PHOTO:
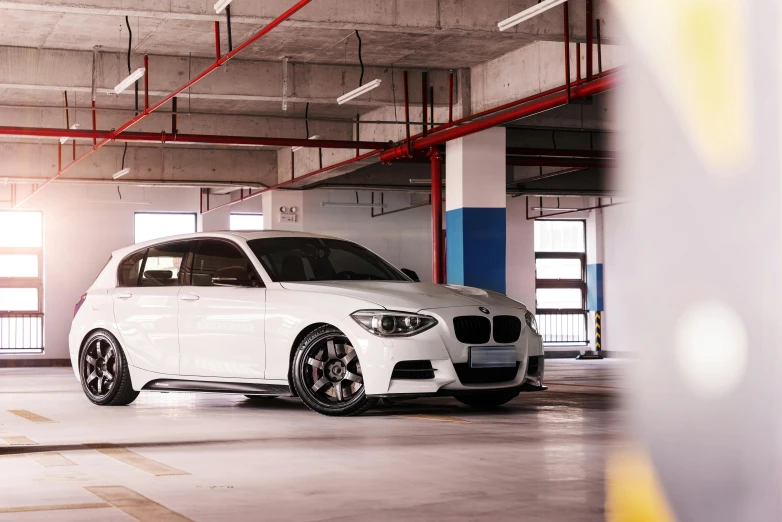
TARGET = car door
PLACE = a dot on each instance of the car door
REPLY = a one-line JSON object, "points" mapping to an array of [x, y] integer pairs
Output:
{"points": [[221, 314], [146, 305]]}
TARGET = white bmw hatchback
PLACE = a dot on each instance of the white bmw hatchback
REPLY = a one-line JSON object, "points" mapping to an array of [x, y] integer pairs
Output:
{"points": [[293, 314]]}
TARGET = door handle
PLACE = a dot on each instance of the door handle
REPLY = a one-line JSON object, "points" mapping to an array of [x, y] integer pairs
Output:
{"points": [[123, 295], [189, 297]]}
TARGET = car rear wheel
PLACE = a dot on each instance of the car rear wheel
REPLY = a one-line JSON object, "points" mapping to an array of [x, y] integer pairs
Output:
{"points": [[104, 373], [327, 374], [488, 400]]}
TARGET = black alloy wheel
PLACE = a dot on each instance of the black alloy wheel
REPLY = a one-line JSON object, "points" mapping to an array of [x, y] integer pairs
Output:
{"points": [[327, 374], [104, 371]]}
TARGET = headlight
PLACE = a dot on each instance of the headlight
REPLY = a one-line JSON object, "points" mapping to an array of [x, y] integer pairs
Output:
{"points": [[393, 324], [531, 321]]}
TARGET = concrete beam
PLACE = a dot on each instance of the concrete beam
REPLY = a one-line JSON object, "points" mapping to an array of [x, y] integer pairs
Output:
{"points": [[166, 163]]}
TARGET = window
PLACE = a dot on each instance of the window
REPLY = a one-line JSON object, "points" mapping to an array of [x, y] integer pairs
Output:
{"points": [[221, 263], [21, 282], [160, 265], [314, 259], [246, 222], [155, 225], [560, 280], [130, 268]]}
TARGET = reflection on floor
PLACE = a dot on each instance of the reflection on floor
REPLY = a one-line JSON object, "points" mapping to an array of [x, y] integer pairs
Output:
{"points": [[182, 456]]}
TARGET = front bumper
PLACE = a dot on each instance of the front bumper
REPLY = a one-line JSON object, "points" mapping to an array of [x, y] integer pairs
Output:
{"points": [[438, 345]]}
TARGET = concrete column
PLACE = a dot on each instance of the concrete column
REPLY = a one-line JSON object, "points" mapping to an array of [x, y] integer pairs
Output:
{"points": [[292, 218], [475, 210], [594, 273]]}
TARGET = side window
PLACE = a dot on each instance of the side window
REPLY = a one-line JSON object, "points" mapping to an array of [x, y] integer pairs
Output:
{"points": [[130, 268], [165, 264], [220, 263]]}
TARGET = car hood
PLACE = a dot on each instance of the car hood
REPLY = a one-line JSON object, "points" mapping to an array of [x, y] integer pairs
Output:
{"points": [[395, 295]]}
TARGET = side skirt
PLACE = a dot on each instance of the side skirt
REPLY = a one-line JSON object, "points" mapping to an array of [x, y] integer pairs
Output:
{"points": [[218, 387]]}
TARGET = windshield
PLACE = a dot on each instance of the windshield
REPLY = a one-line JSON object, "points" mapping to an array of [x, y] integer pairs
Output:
{"points": [[296, 259]]}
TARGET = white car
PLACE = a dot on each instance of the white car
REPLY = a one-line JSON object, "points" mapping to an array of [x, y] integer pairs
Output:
{"points": [[293, 314]]}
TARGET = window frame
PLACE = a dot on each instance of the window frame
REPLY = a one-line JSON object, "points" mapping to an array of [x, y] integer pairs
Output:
{"points": [[26, 282], [186, 262], [564, 283]]}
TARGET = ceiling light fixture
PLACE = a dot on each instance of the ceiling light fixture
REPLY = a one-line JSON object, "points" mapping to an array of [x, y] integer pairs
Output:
{"points": [[358, 92], [121, 173], [130, 80], [221, 5], [65, 139], [315, 137], [532, 12], [555, 209]]}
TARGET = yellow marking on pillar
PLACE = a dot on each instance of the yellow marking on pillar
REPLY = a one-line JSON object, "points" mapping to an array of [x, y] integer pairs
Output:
{"points": [[135, 460], [54, 507], [32, 417], [136, 505], [633, 491]]}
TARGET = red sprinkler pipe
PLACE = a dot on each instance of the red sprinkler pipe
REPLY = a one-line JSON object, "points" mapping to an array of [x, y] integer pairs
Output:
{"points": [[217, 40], [590, 39], [535, 106], [437, 216], [147, 111]]}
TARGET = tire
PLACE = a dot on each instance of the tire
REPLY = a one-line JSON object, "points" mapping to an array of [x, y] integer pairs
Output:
{"points": [[488, 400], [103, 371], [327, 374]]}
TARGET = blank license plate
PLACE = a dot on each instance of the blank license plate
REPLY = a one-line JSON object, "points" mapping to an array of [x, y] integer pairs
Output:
{"points": [[492, 356]]}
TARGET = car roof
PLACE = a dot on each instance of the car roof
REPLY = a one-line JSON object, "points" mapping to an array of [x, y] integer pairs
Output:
{"points": [[246, 235]]}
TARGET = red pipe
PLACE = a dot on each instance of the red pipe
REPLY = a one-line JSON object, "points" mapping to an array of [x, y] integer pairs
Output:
{"points": [[300, 178], [437, 216], [59, 157], [567, 50], [598, 86], [147, 111], [94, 122], [450, 98]]}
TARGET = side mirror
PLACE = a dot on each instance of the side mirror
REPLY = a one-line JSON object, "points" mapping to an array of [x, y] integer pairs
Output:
{"points": [[412, 275]]}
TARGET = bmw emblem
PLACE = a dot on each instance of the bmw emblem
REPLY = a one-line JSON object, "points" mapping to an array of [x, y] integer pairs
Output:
{"points": [[484, 310]]}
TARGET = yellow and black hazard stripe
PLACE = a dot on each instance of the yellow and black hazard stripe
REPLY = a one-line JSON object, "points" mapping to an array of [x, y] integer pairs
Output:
{"points": [[597, 330]]}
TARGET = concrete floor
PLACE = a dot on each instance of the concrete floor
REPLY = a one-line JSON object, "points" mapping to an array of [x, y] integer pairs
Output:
{"points": [[207, 457]]}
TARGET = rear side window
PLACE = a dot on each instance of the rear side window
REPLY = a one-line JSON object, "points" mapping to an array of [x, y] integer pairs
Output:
{"points": [[130, 268], [164, 265], [219, 263]]}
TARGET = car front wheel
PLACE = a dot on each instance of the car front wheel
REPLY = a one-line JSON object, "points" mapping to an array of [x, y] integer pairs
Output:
{"points": [[104, 372], [327, 374]]}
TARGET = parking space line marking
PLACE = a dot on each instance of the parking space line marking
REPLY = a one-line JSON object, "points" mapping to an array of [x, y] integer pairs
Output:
{"points": [[32, 417], [17, 440], [137, 461], [135, 505], [440, 418], [54, 507], [51, 459]]}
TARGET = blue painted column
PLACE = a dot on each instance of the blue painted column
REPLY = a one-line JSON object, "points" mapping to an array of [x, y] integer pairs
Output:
{"points": [[475, 210]]}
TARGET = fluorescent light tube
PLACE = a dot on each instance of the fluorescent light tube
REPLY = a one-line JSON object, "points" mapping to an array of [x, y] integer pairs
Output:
{"points": [[358, 92], [64, 139], [554, 209], [532, 12], [315, 137], [221, 5], [121, 173], [130, 80], [354, 205]]}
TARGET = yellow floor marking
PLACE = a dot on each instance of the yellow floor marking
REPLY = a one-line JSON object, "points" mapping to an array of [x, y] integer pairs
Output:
{"points": [[441, 418], [137, 461], [54, 507], [13, 440], [51, 459], [32, 417], [137, 506], [583, 385]]}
